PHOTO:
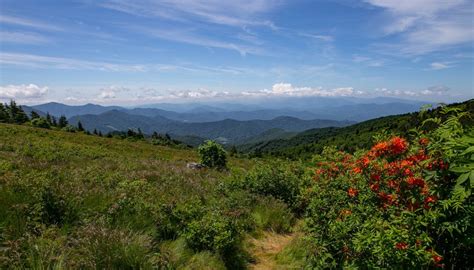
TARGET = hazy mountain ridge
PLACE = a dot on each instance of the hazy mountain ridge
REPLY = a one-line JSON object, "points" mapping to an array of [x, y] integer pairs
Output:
{"points": [[355, 109], [226, 131]]}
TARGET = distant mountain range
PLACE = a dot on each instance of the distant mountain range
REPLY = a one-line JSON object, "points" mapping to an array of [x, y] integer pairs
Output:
{"points": [[224, 131], [232, 123]]}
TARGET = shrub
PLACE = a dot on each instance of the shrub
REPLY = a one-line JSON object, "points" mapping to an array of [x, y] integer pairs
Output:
{"points": [[213, 155], [400, 204], [277, 179], [40, 122], [214, 232]]}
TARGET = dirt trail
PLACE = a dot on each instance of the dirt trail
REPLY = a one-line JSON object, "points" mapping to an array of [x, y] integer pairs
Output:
{"points": [[267, 247]]}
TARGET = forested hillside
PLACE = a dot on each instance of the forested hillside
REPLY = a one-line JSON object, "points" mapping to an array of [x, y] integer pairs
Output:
{"points": [[350, 138]]}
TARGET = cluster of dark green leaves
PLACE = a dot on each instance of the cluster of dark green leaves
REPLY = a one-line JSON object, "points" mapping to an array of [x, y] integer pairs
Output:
{"points": [[213, 155]]}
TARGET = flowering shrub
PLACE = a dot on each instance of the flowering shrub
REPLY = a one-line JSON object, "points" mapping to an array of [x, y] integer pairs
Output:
{"points": [[401, 204]]}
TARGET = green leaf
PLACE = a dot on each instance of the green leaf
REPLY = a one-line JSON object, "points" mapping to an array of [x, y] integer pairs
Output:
{"points": [[468, 150], [462, 178]]}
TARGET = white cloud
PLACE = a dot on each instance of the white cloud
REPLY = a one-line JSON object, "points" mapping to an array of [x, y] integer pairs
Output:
{"points": [[430, 91], [426, 26], [436, 90], [112, 91], [29, 23], [22, 91], [24, 38], [189, 37], [367, 61], [38, 61], [236, 13], [286, 89], [326, 38], [439, 65]]}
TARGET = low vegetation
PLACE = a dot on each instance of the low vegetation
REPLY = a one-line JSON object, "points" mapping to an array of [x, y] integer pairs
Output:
{"points": [[74, 201]]}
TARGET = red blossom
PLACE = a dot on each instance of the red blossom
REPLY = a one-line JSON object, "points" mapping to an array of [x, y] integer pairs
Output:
{"points": [[416, 182], [398, 145], [401, 245], [375, 177], [424, 141], [352, 192], [437, 258], [375, 187]]}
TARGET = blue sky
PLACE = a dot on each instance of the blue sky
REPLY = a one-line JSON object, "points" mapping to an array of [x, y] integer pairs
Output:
{"points": [[146, 51]]}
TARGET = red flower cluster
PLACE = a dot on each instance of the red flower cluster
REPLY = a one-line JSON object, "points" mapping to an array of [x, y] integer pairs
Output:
{"points": [[395, 146], [393, 174], [401, 245], [352, 192]]}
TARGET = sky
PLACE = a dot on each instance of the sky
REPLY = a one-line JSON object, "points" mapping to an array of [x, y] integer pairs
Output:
{"points": [[150, 51]]}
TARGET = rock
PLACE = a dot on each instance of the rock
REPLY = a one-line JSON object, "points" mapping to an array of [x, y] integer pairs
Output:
{"points": [[195, 166]]}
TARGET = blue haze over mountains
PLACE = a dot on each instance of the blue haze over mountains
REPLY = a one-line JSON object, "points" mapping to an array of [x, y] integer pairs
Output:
{"points": [[231, 123]]}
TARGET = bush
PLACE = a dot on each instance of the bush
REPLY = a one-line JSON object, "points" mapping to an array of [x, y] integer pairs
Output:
{"points": [[40, 122], [213, 155], [280, 180], [214, 232], [402, 204]]}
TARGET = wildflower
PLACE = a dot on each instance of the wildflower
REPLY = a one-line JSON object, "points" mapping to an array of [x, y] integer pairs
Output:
{"points": [[352, 192], [424, 141], [418, 182], [437, 258], [375, 177], [379, 149], [398, 145], [430, 200], [374, 187], [407, 172], [357, 170], [401, 245], [365, 162]]}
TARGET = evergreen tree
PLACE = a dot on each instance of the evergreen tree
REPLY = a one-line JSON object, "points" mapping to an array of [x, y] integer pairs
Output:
{"points": [[79, 126], [131, 133], [54, 123], [34, 115], [95, 132], [62, 122], [16, 113], [3, 113], [100, 133], [48, 118]]}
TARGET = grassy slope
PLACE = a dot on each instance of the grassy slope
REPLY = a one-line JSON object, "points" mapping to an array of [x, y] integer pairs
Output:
{"points": [[90, 177]]}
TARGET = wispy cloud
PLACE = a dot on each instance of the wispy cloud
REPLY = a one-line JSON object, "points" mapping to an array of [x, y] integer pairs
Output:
{"points": [[38, 61], [368, 61], [438, 90], [428, 25], [189, 37], [237, 13], [440, 65], [23, 37], [4, 19], [326, 38]]}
